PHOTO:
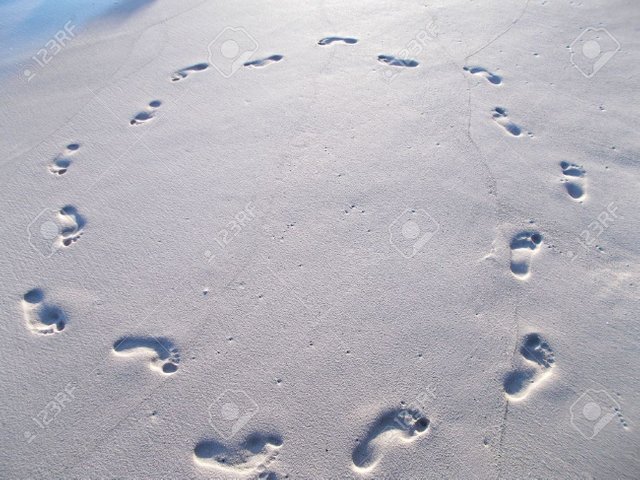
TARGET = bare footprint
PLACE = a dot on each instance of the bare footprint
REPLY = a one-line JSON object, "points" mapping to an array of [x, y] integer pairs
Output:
{"points": [[397, 62], [252, 457], [573, 179], [491, 77], [185, 72], [164, 355], [392, 427], [330, 40], [263, 62], [60, 164], [535, 365], [147, 114], [523, 246], [41, 317], [502, 119]]}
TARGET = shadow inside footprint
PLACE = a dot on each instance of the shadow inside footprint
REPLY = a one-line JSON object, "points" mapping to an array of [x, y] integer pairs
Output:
{"points": [[518, 381], [523, 245], [263, 62], [397, 62], [491, 77], [42, 317], [166, 356], [253, 454], [501, 117], [537, 350], [330, 40], [185, 72], [397, 425]]}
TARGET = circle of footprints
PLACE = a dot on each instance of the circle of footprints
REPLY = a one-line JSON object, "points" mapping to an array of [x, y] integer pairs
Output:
{"points": [[535, 365]]}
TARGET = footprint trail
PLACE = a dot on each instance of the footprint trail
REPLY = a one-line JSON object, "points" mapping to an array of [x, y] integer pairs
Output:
{"points": [[392, 427], [164, 355], [523, 246], [41, 317]]}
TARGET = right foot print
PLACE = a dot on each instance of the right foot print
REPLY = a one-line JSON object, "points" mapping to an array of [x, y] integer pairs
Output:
{"points": [[397, 62], [537, 364], [502, 119], [491, 77], [263, 62], [185, 72], [330, 40], [146, 115], [41, 317], [523, 247], [395, 426], [573, 179], [164, 356], [60, 164], [252, 457]]}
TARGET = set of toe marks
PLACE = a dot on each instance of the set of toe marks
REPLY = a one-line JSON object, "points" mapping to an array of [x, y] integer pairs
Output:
{"points": [[501, 117], [399, 425], [536, 362], [253, 456], [147, 114], [523, 246], [61, 162], [162, 352], [42, 317], [573, 179], [484, 73]]}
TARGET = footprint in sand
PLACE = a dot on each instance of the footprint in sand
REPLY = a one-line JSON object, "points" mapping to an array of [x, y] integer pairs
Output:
{"points": [[573, 179], [395, 426], [147, 114], [251, 458], [397, 62], [41, 317], [535, 365], [523, 246], [60, 164], [330, 40], [502, 119], [164, 355], [263, 62], [483, 72], [185, 72]]}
